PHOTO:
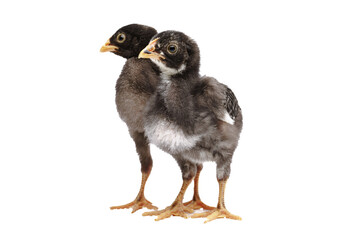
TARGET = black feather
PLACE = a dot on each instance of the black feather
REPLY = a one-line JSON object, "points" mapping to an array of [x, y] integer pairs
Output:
{"points": [[231, 104]]}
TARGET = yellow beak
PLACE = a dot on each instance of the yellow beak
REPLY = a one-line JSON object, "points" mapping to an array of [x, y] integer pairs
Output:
{"points": [[107, 47], [149, 51]]}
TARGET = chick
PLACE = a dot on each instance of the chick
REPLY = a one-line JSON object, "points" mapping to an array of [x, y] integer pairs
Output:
{"points": [[137, 82], [194, 118]]}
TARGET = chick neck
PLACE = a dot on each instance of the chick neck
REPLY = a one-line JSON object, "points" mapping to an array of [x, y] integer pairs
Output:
{"points": [[174, 91]]}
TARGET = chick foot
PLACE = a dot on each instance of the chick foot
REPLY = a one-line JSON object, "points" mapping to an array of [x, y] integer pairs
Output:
{"points": [[216, 213], [220, 211], [140, 200], [176, 209], [137, 204], [196, 204]]}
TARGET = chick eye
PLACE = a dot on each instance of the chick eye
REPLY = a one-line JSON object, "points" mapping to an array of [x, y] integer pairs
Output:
{"points": [[172, 49], [121, 38]]}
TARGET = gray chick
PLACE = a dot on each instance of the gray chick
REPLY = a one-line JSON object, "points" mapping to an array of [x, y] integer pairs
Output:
{"points": [[194, 118]]}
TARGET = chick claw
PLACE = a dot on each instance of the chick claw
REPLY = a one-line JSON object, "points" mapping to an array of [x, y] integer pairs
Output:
{"points": [[137, 204], [216, 213], [173, 210]]}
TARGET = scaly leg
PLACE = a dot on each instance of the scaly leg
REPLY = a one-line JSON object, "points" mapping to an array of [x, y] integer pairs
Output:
{"points": [[196, 202], [220, 211], [140, 200], [143, 150], [176, 208]]}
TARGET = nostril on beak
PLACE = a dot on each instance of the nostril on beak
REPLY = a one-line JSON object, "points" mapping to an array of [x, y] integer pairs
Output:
{"points": [[147, 52]]}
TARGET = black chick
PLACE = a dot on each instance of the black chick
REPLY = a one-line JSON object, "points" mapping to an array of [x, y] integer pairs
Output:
{"points": [[188, 117], [137, 82]]}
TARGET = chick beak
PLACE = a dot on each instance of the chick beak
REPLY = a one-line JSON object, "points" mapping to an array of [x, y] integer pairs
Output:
{"points": [[149, 51], [107, 47]]}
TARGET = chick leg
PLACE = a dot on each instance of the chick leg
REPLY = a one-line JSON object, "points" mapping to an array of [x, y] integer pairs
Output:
{"points": [[220, 211], [196, 202], [140, 200], [177, 208], [143, 149]]}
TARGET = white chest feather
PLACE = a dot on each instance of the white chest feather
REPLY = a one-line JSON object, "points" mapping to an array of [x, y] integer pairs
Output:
{"points": [[169, 136]]}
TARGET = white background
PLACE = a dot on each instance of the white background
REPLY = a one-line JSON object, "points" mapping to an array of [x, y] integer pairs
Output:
{"points": [[66, 157]]}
